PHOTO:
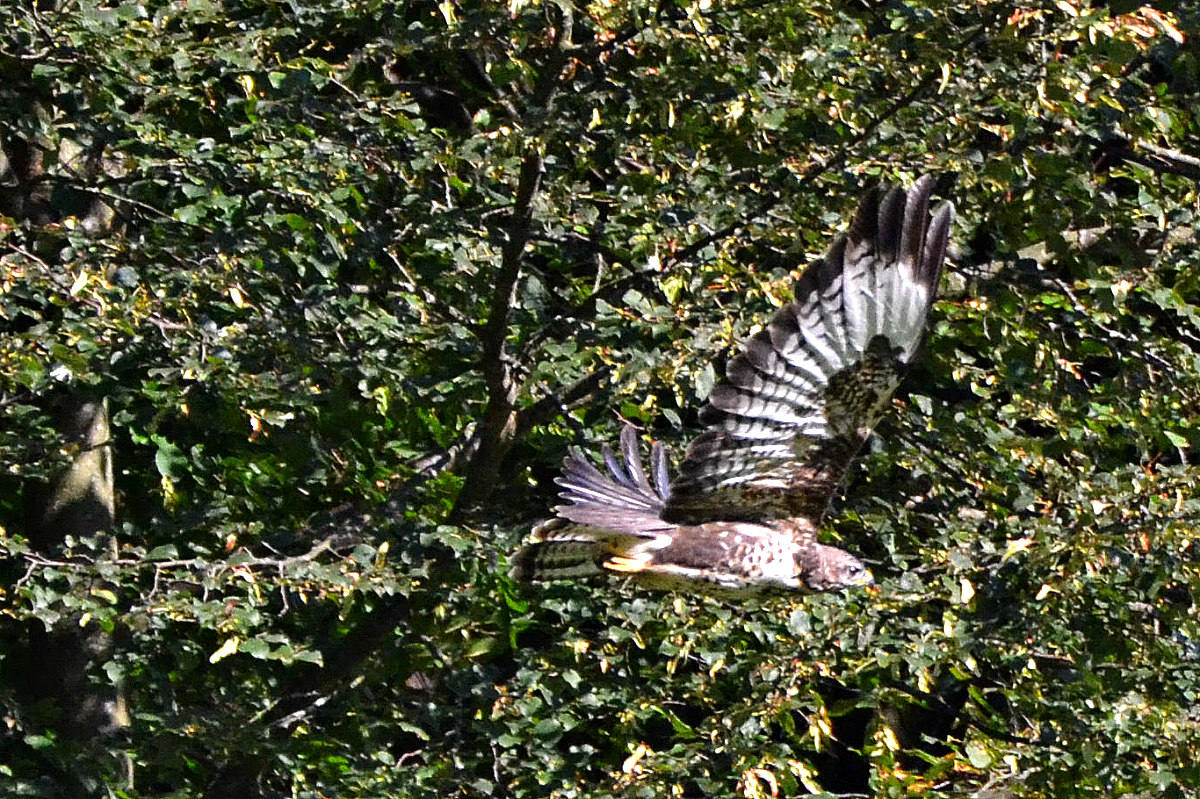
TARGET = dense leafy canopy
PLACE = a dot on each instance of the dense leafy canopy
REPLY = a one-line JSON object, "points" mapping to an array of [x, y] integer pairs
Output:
{"points": [[352, 275]]}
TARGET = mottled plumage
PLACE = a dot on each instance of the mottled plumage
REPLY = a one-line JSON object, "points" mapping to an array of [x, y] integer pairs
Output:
{"points": [[795, 406]]}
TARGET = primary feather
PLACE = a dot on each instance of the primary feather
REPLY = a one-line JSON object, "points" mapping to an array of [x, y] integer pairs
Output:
{"points": [[805, 393]]}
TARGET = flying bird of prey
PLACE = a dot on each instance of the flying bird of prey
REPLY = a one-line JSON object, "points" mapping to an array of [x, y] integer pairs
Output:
{"points": [[742, 514]]}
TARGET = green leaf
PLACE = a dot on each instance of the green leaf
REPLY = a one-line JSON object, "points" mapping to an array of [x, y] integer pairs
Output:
{"points": [[169, 459], [163, 552], [978, 755]]}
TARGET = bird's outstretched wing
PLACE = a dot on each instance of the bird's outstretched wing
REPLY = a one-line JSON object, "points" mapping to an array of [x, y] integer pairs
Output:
{"points": [[799, 401], [626, 498]]}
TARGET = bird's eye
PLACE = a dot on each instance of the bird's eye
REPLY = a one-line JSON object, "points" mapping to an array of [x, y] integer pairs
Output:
{"points": [[858, 574]]}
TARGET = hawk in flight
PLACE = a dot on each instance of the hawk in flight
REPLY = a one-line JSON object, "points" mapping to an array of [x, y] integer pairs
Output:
{"points": [[742, 514]]}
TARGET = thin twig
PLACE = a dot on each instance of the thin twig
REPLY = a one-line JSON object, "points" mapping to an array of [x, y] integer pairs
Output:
{"points": [[37, 560]]}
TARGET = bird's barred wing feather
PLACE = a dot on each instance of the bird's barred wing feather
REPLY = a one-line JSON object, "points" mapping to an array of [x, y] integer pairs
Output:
{"points": [[626, 498], [802, 397]]}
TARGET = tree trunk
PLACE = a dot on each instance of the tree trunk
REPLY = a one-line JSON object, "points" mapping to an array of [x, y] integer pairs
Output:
{"points": [[50, 666]]}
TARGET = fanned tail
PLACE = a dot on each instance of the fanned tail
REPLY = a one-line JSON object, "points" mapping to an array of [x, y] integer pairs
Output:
{"points": [[608, 517]]}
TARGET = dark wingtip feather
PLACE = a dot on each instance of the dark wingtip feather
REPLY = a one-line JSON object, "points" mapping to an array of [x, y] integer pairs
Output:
{"points": [[826, 269], [659, 470], [889, 226], [866, 217], [615, 467], [633, 459], [916, 217], [936, 239]]}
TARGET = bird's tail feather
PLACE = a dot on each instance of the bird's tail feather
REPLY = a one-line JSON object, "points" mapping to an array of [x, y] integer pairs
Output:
{"points": [[561, 550], [611, 519]]}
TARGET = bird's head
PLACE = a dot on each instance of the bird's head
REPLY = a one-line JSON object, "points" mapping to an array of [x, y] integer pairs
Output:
{"points": [[827, 568]]}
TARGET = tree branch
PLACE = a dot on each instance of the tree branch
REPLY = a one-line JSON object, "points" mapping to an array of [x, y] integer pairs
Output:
{"points": [[587, 307], [1115, 149], [556, 404], [494, 434]]}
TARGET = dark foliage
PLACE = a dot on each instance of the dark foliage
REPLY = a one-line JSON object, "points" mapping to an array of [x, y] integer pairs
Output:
{"points": [[353, 275]]}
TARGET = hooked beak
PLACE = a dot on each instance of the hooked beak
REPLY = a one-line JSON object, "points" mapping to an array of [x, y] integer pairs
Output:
{"points": [[863, 579]]}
